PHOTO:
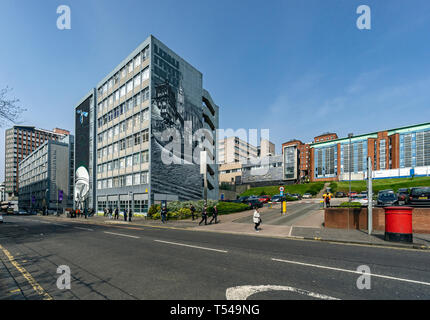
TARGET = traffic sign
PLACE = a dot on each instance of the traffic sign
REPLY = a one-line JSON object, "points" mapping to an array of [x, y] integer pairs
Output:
{"points": [[281, 189]]}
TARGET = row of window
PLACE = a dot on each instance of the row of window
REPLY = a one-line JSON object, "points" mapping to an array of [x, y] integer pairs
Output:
{"points": [[131, 141], [123, 126], [136, 179], [135, 101], [125, 162], [134, 63]]}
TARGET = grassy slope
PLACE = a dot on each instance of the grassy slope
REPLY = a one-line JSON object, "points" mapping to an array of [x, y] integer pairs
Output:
{"points": [[381, 184], [296, 188]]}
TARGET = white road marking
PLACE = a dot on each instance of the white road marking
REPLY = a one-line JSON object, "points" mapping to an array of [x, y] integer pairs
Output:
{"points": [[187, 245], [87, 229], [352, 271], [122, 235], [243, 292]]}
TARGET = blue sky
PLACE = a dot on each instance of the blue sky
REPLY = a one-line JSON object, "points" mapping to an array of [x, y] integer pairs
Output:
{"points": [[298, 68]]}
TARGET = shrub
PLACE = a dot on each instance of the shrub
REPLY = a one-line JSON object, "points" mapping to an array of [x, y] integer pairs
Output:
{"points": [[230, 207], [154, 209], [350, 205]]}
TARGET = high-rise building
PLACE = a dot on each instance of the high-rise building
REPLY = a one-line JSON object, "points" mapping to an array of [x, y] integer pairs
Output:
{"points": [[20, 142], [46, 176], [141, 132], [2, 192]]}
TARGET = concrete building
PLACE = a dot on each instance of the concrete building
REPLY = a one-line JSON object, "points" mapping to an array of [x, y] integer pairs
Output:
{"points": [[234, 149], [400, 152], [266, 149], [269, 172], [328, 136], [46, 176], [20, 141], [149, 118], [298, 166], [3, 193]]}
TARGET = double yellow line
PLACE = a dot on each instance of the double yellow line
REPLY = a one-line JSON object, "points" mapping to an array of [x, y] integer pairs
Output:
{"points": [[36, 287]]}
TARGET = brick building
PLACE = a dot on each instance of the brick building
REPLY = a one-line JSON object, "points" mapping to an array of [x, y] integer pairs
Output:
{"points": [[400, 152]]}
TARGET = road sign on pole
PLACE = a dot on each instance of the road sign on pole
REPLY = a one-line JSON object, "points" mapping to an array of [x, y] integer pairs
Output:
{"points": [[369, 196]]}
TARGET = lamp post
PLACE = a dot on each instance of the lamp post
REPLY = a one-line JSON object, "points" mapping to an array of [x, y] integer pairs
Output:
{"points": [[350, 135]]}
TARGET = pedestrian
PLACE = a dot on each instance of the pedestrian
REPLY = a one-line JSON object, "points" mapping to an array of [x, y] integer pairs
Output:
{"points": [[257, 220], [104, 212], [193, 210], [85, 213], [130, 214], [214, 215], [204, 216], [164, 214], [125, 215], [116, 213]]}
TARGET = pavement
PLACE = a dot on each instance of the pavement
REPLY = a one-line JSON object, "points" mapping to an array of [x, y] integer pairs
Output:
{"points": [[122, 261]]}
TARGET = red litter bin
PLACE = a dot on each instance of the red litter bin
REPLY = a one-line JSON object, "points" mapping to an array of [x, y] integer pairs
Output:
{"points": [[398, 224]]}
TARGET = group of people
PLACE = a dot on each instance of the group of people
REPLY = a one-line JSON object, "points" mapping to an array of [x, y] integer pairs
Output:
{"points": [[77, 213], [128, 213], [164, 212]]}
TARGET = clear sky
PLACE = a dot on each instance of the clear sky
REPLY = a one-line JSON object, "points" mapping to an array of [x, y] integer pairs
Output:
{"points": [[298, 68]]}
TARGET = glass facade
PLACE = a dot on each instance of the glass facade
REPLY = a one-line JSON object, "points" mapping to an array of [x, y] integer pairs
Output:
{"points": [[415, 149], [325, 162], [353, 159]]}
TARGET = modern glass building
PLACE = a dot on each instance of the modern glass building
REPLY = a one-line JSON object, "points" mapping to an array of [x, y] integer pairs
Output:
{"points": [[400, 152], [151, 119]]}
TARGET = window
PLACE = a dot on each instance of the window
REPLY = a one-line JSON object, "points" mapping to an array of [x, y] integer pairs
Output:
{"points": [[136, 159], [137, 139], [145, 74], [145, 135], [136, 80], [129, 180], [129, 86], [122, 163], [136, 179], [137, 61], [116, 95], [145, 156], [130, 67], [129, 162], [122, 145], [144, 115], [137, 100], [122, 91], [144, 178]]}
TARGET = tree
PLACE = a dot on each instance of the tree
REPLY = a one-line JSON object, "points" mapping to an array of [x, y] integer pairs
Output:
{"points": [[9, 108]]}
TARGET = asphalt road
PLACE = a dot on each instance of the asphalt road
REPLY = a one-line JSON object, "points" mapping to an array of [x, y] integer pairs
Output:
{"points": [[121, 262]]}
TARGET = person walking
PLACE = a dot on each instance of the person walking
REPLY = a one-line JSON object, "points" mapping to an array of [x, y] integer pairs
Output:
{"points": [[257, 219], [164, 214], [116, 217], [214, 215], [204, 216], [85, 213], [125, 215], [193, 211], [130, 214]]}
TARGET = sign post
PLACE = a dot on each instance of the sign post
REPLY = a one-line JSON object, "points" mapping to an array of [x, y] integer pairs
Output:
{"points": [[283, 203], [203, 171], [369, 196]]}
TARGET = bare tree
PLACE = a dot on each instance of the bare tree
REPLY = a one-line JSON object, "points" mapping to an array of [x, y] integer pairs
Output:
{"points": [[9, 108]]}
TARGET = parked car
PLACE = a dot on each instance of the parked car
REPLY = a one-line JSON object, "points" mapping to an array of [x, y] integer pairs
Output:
{"points": [[264, 199], [242, 199], [22, 212], [387, 198], [353, 193], [278, 198], [1, 218], [362, 198], [296, 196], [403, 196], [419, 196], [307, 196], [340, 194], [254, 203]]}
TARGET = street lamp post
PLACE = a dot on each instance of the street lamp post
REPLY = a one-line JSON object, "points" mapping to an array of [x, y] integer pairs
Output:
{"points": [[350, 135]]}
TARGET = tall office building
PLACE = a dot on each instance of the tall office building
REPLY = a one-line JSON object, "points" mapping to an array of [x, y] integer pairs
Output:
{"points": [[46, 176], [20, 142], [142, 130]]}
